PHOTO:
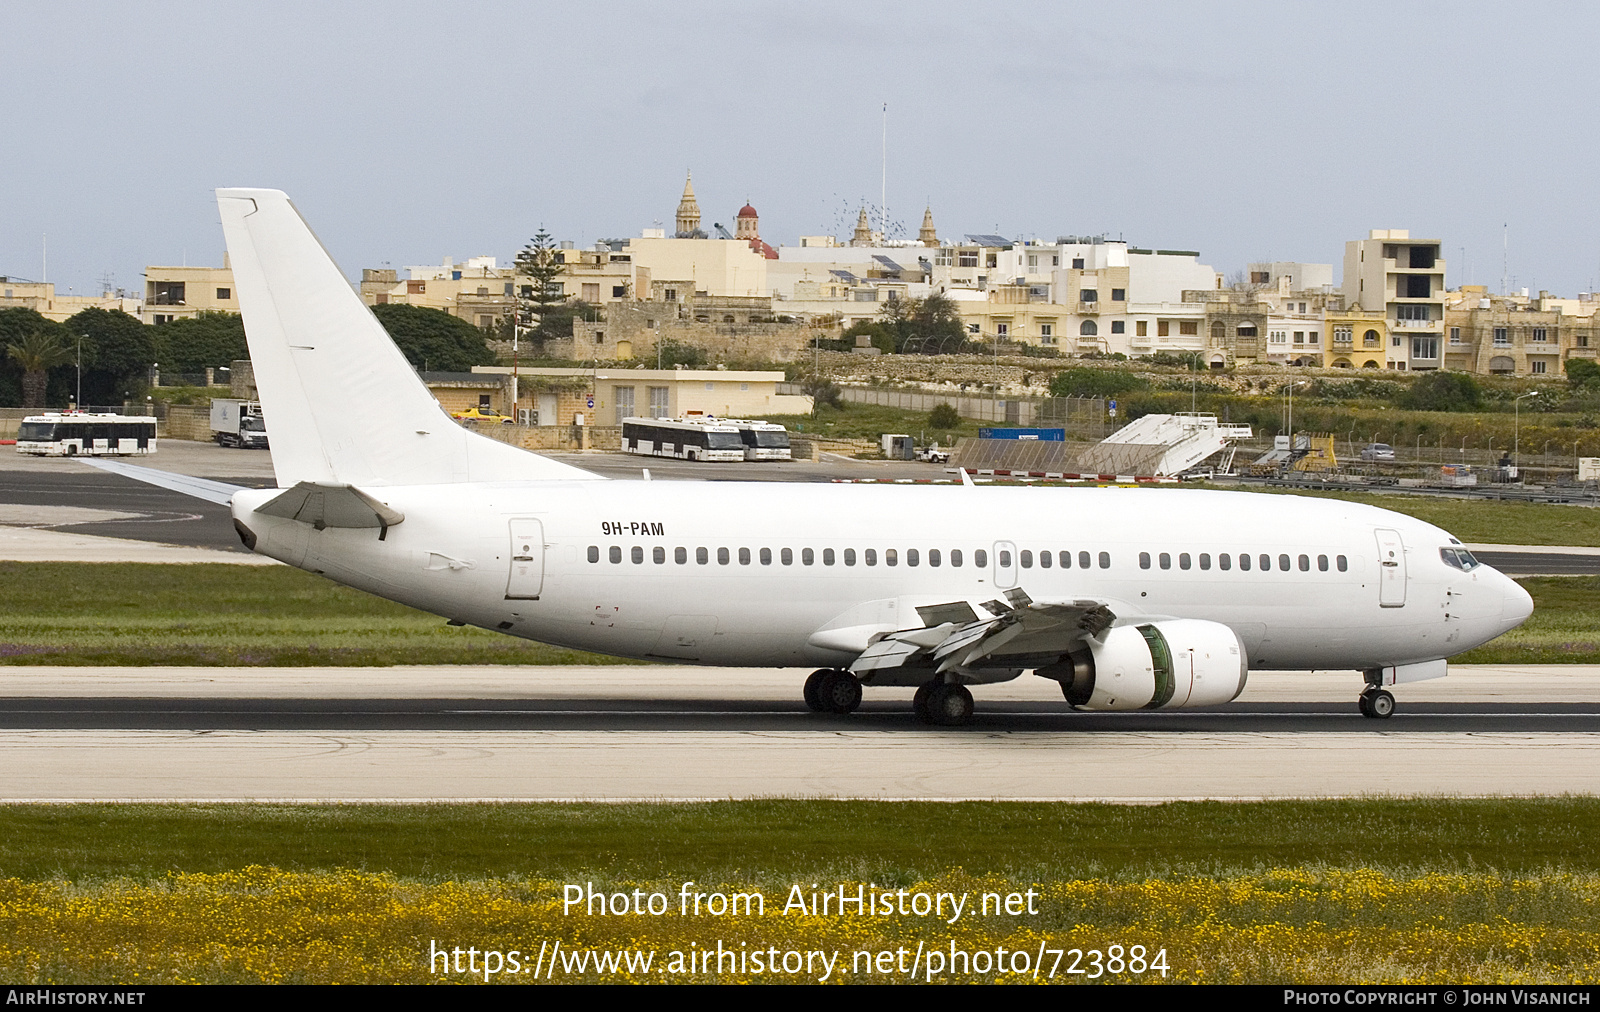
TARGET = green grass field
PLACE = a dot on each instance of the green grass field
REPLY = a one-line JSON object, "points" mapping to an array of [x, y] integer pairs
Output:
{"points": [[140, 613], [1358, 891]]}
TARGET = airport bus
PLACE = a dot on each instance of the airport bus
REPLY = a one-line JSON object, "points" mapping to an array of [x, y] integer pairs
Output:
{"points": [[763, 440], [698, 438], [70, 434]]}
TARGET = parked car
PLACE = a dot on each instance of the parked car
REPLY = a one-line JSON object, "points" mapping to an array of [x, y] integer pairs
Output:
{"points": [[481, 415], [1377, 451], [933, 454]]}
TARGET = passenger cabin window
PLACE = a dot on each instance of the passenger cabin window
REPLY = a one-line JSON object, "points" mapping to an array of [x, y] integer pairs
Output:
{"points": [[594, 553], [786, 557], [1183, 560], [722, 556], [808, 557], [849, 556], [1066, 560], [744, 556], [891, 557], [680, 556], [1244, 562], [870, 556], [980, 558], [1083, 560], [1166, 561], [1105, 560], [1305, 563], [1144, 560], [1322, 563], [827, 556], [616, 554], [1205, 561], [1342, 563], [1224, 561], [658, 555], [766, 556], [1026, 556], [933, 557], [1283, 563], [638, 555], [701, 556], [1266, 563], [1044, 560], [911, 557], [955, 557]]}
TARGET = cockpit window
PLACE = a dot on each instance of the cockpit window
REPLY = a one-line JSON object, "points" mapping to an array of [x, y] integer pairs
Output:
{"points": [[1459, 558]]}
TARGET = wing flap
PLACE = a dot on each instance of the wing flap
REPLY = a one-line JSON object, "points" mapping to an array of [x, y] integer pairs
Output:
{"points": [[1018, 626]]}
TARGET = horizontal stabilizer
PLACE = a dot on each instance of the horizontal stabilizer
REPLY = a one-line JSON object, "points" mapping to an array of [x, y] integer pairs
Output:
{"points": [[200, 488], [323, 505]]}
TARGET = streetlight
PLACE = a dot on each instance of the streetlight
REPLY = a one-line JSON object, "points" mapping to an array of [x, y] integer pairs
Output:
{"points": [[1516, 446]]}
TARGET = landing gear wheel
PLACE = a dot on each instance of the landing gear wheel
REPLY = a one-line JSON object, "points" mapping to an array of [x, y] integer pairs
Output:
{"points": [[839, 692], [1377, 703], [813, 689], [919, 702], [950, 705]]}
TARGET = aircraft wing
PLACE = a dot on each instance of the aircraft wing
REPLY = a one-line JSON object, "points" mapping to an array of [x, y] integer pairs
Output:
{"points": [[1018, 632], [200, 488]]}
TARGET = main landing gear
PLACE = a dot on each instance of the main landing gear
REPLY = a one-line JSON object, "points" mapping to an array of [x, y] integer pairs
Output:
{"points": [[1376, 702], [948, 704], [830, 690]]}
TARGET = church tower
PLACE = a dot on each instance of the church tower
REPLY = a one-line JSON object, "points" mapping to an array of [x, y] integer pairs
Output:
{"points": [[926, 235], [863, 234], [747, 224], [689, 213]]}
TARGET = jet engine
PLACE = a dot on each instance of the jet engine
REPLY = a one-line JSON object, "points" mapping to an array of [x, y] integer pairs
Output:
{"points": [[1154, 666]]}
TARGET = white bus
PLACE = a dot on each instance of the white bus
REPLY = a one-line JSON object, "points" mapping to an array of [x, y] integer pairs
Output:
{"points": [[763, 440], [73, 433], [700, 438]]}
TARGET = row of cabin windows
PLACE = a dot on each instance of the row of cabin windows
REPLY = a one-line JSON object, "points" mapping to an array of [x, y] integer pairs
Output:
{"points": [[869, 556], [1262, 561]]}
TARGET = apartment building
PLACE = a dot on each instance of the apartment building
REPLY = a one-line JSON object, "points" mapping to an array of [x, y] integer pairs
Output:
{"points": [[1404, 277], [175, 293]]}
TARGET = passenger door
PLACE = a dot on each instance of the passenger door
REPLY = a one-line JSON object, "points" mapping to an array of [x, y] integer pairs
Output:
{"points": [[527, 559], [1391, 569]]}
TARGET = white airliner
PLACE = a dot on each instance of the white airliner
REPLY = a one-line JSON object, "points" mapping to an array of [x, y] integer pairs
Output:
{"points": [[1130, 599]]}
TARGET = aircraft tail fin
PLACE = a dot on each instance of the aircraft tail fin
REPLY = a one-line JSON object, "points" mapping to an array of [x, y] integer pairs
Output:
{"points": [[341, 402]]}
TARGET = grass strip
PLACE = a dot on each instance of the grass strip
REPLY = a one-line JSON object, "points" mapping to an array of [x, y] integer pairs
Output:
{"points": [[264, 925], [876, 841], [1479, 521], [150, 614]]}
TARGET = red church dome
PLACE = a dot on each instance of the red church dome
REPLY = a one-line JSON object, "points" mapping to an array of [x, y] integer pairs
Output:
{"points": [[747, 212]]}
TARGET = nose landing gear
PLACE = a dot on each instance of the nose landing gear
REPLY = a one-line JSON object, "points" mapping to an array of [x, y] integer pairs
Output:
{"points": [[1375, 702]]}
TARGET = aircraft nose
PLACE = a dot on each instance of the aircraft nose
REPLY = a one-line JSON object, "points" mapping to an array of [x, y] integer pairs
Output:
{"points": [[1516, 604]]}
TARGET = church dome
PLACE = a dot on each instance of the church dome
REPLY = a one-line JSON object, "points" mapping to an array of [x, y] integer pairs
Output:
{"points": [[747, 212]]}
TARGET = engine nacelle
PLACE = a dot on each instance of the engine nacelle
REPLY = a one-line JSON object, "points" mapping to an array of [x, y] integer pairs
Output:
{"points": [[1155, 666]]}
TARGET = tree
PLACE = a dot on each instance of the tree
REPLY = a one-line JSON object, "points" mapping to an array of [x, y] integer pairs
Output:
{"points": [[542, 264], [117, 353], [1582, 372], [1443, 391], [1080, 381], [195, 344], [929, 325], [943, 416], [432, 339], [36, 354]]}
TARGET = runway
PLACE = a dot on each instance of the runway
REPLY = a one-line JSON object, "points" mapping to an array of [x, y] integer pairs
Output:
{"points": [[628, 733]]}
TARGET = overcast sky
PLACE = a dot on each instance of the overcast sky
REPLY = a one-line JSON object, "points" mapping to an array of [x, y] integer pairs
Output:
{"points": [[408, 132]]}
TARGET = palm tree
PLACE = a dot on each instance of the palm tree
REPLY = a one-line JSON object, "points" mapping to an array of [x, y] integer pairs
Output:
{"points": [[37, 354]]}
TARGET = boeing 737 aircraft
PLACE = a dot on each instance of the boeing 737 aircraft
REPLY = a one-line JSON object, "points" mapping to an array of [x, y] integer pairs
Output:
{"points": [[1129, 599]]}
